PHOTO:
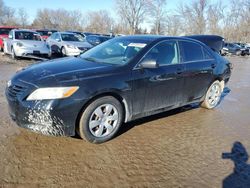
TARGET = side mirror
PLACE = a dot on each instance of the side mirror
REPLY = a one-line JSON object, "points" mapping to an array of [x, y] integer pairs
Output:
{"points": [[149, 64], [10, 37], [58, 40]]}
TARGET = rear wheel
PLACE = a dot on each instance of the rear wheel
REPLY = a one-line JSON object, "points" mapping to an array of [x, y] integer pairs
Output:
{"points": [[101, 120], [213, 95]]}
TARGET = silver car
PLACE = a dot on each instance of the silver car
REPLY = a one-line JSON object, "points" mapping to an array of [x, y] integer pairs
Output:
{"points": [[68, 44], [26, 43]]}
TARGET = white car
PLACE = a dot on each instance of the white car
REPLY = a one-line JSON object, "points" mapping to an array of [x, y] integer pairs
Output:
{"points": [[26, 43], [68, 44]]}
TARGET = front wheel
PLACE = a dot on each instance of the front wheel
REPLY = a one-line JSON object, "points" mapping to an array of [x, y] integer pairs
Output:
{"points": [[101, 120], [213, 95], [13, 54], [63, 52]]}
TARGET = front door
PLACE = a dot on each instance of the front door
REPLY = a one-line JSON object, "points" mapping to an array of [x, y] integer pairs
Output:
{"points": [[156, 88]]}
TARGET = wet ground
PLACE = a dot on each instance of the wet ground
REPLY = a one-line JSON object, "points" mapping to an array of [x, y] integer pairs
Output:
{"points": [[181, 148]]}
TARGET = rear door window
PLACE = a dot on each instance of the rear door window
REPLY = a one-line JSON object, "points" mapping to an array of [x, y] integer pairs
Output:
{"points": [[207, 55], [191, 51]]}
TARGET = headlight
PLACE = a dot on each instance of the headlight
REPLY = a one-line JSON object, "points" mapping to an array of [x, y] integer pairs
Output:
{"points": [[52, 93], [71, 46], [19, 44]]}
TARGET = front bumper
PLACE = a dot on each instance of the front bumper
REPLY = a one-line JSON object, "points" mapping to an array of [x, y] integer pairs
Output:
{"points": [[49, 117], [23, 51]]}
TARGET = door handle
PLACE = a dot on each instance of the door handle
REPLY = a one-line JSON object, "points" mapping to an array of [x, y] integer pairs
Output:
{"points": [[213, 65]]}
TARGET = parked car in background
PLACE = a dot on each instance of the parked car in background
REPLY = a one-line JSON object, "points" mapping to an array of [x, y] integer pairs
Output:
{"points": [[89, 33], [245, 47], [77, 32], [233, 49], [26, 43], [121, 80], [45, 33], [68, 44], [4, 32], [97, 39]]}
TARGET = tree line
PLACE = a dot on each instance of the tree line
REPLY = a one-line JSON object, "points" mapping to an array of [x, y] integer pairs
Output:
{"points": [[232, 21]]}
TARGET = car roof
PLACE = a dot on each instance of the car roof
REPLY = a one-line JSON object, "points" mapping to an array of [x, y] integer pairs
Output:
{"points": [[42, 30], [155, 37], [8, 27], [26, 30], [65, 32], [213, 42], [73, 31]]}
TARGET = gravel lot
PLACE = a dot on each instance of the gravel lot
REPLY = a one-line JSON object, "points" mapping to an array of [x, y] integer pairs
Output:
{"points": [[180, 148]]}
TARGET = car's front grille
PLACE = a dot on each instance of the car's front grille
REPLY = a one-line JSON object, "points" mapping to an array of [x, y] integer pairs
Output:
{"points": [[15, 90]]}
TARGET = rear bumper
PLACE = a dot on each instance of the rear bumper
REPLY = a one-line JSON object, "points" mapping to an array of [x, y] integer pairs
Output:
{"points": [[49, 117]]}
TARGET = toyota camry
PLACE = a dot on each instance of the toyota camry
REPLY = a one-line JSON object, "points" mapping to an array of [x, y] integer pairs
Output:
{"points": [[118, 81]]}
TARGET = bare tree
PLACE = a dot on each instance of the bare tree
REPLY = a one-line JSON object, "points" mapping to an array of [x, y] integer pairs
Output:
{"points": [[158, 14], [133, 12], [215, 17], [2, 7], [7, 15], [99, 22], [193, 16], [23, 17], [58, 19], [173, 25]]}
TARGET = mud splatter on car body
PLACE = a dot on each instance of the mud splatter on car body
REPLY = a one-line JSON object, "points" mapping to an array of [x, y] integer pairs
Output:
{"points": [[43, 122]]}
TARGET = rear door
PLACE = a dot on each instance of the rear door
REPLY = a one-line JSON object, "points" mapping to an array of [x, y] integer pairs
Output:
{"points": [[156, 88], [199, 67]]}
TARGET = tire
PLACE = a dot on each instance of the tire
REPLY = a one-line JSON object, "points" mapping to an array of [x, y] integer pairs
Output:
{"points": [[238, 53], [63, 52], [104, 126], [213, 95], [13, 54]]}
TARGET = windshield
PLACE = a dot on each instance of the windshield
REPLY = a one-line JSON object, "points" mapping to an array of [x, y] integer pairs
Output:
{"points": [[5, 31], [115, 51], [27, 35], [72, 37], [237, 45]]}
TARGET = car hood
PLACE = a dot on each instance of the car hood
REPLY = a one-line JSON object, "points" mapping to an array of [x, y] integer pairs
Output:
{"points": [[61, 70], [79, 44], [32, 43]]}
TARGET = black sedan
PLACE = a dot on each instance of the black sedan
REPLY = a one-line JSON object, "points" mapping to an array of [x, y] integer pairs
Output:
{"points": [[117, 81]]}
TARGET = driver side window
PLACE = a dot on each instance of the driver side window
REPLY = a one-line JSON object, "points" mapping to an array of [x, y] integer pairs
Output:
{"points": [[164, 53]]}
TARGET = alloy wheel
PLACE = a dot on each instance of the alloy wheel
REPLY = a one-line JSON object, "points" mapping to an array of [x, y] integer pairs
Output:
{"points": [[103, 120]]}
